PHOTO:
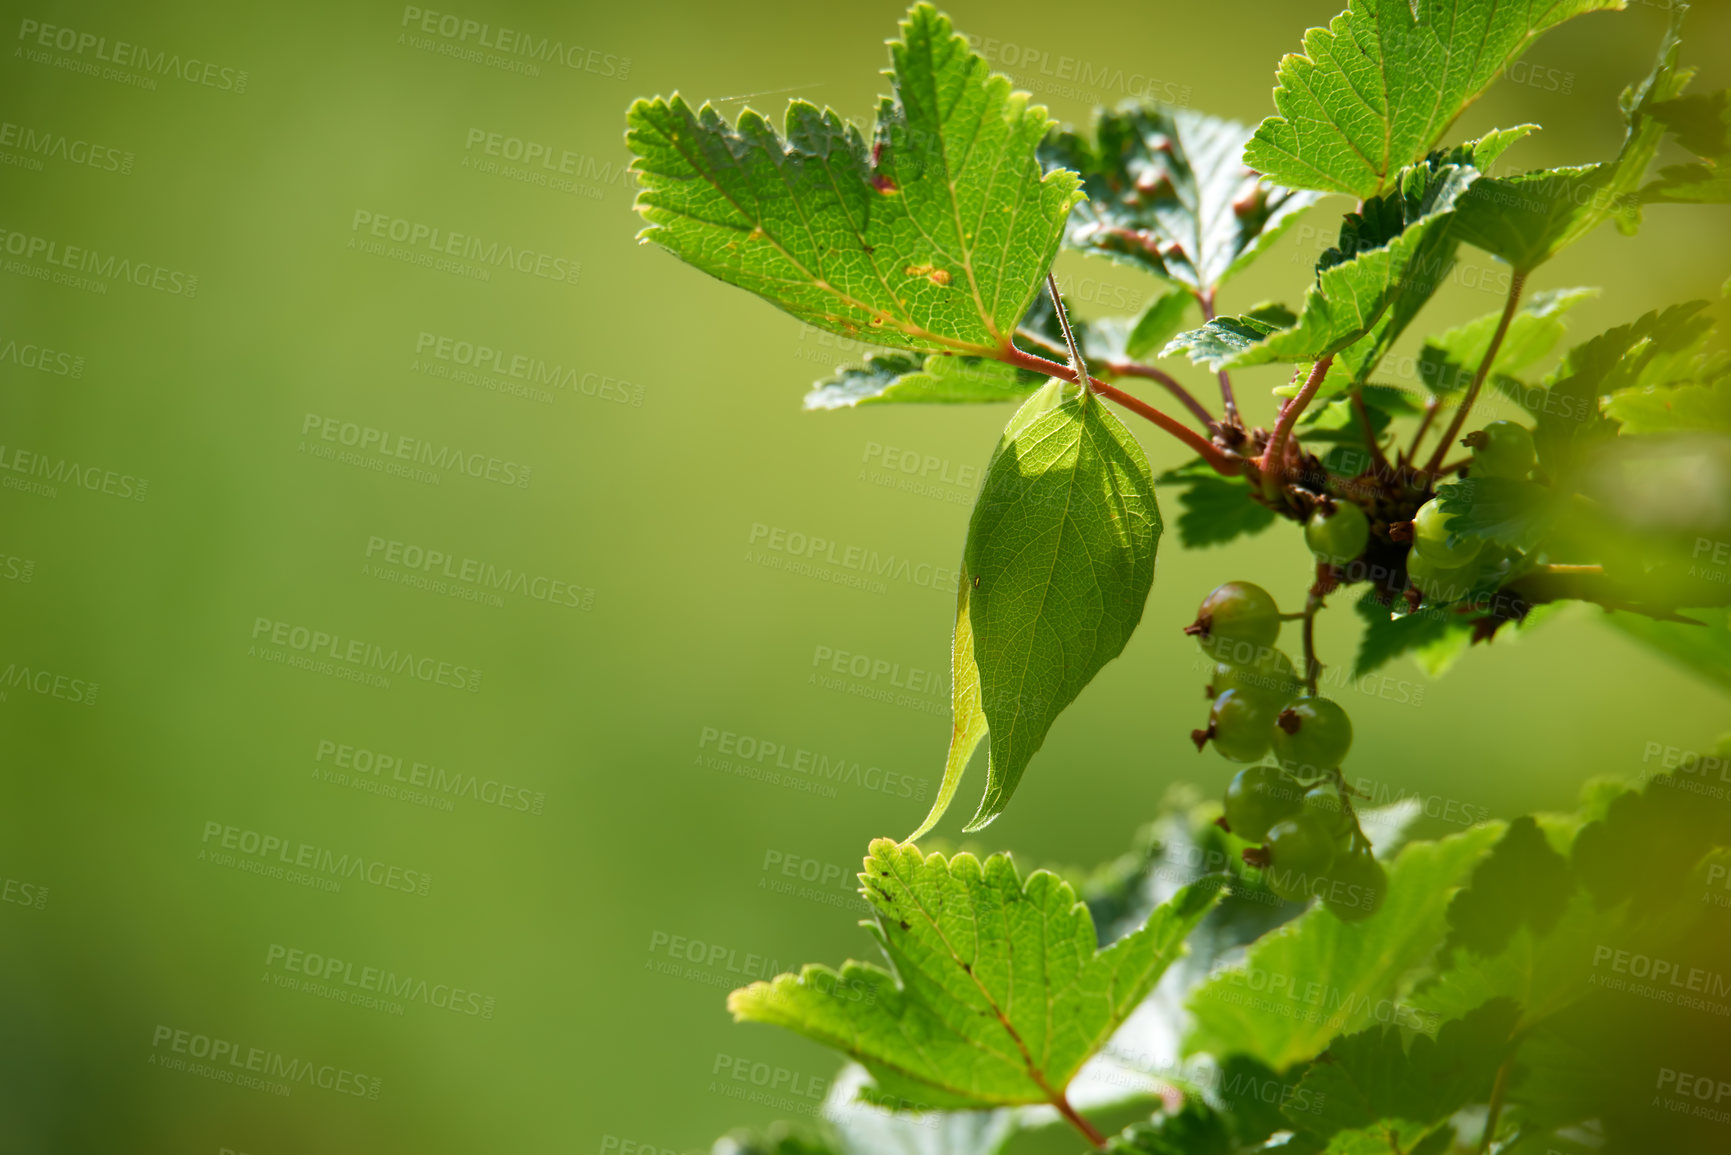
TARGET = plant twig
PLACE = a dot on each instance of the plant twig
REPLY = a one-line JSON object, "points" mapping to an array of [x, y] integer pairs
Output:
{"points": [[1498, 1092], [1076, 362], [1363, 415], [1206, 300], [1516, 283], [1273, 458], [1430, 408], [1224, 464], [1132, 369], [1313, 603], [1137, 369], [1093, 1134]]}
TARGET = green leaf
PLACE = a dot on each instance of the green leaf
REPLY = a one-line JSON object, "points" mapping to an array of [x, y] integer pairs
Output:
{"points": [[1701, 124], [997, 994], [1155, 324], [1705, 649], [868, 1129], [1643, 354], [1196, 1129], [937, 378], [1449, 359], [779, 1139], [1376, 89], [1318, 977], [1526, 220], [1671, 409], [1061, 555], [1374, 1080], [1168, 193], [1432, 636], [935, 238], [1648, 842], [967, 714], [1215, 509], [1522, 882], [1356, 281], [1502, 510]]}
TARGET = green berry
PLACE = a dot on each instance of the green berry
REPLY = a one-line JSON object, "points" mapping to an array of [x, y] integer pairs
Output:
{"points": [[1325, 805], [1438, 583], [1339, 537], [1270, 676], [1430, 537], [1300, 852], [1356, 885], [1237, 622], [1502, 449], [1257, 798], [1311, 735], [1241, 725]]}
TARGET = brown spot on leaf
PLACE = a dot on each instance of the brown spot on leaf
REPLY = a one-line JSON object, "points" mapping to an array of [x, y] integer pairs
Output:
{"points": [[931, 273]]}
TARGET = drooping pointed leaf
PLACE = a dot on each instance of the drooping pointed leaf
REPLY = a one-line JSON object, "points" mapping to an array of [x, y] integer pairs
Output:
{"points": [[967, 718], [1522, 882], [1168, 193], [1375, 90], [1214, 509], [1503, 510], [1701, 124], [1356, 281], [1427, 268], [998, 993], [1450, 358], [896, 377], [1528, 219], [1651, 352], [1333, 975], [1378, 1081], [934, 238], [1061, 556]]}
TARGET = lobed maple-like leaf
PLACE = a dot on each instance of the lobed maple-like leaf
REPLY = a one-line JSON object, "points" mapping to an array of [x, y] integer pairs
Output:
{"points": [[1528, 219], [1375, 90], [997, 992], [897, 377], [934, 238], [1357, 281], [1701, 124], [1168, 193]]}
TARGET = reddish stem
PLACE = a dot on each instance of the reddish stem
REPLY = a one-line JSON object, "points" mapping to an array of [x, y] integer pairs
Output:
{"points": [[1206, 300], [1137, 369], [1207, 450], [1274, 457], [1062, 1102], [1516, 283]]}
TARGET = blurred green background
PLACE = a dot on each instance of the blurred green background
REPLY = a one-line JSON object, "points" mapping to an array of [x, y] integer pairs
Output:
{"points": [[536, 808]]}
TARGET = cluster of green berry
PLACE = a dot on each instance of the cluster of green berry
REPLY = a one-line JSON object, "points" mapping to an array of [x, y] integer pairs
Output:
{"points": [[1307, 838], [1444, 570]]}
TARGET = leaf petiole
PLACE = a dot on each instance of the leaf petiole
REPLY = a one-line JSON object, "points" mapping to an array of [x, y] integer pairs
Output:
{"points": [[1516, 283]]}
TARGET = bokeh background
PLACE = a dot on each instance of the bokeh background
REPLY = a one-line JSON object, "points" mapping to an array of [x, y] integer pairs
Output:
{"points": [[542, 807]]}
